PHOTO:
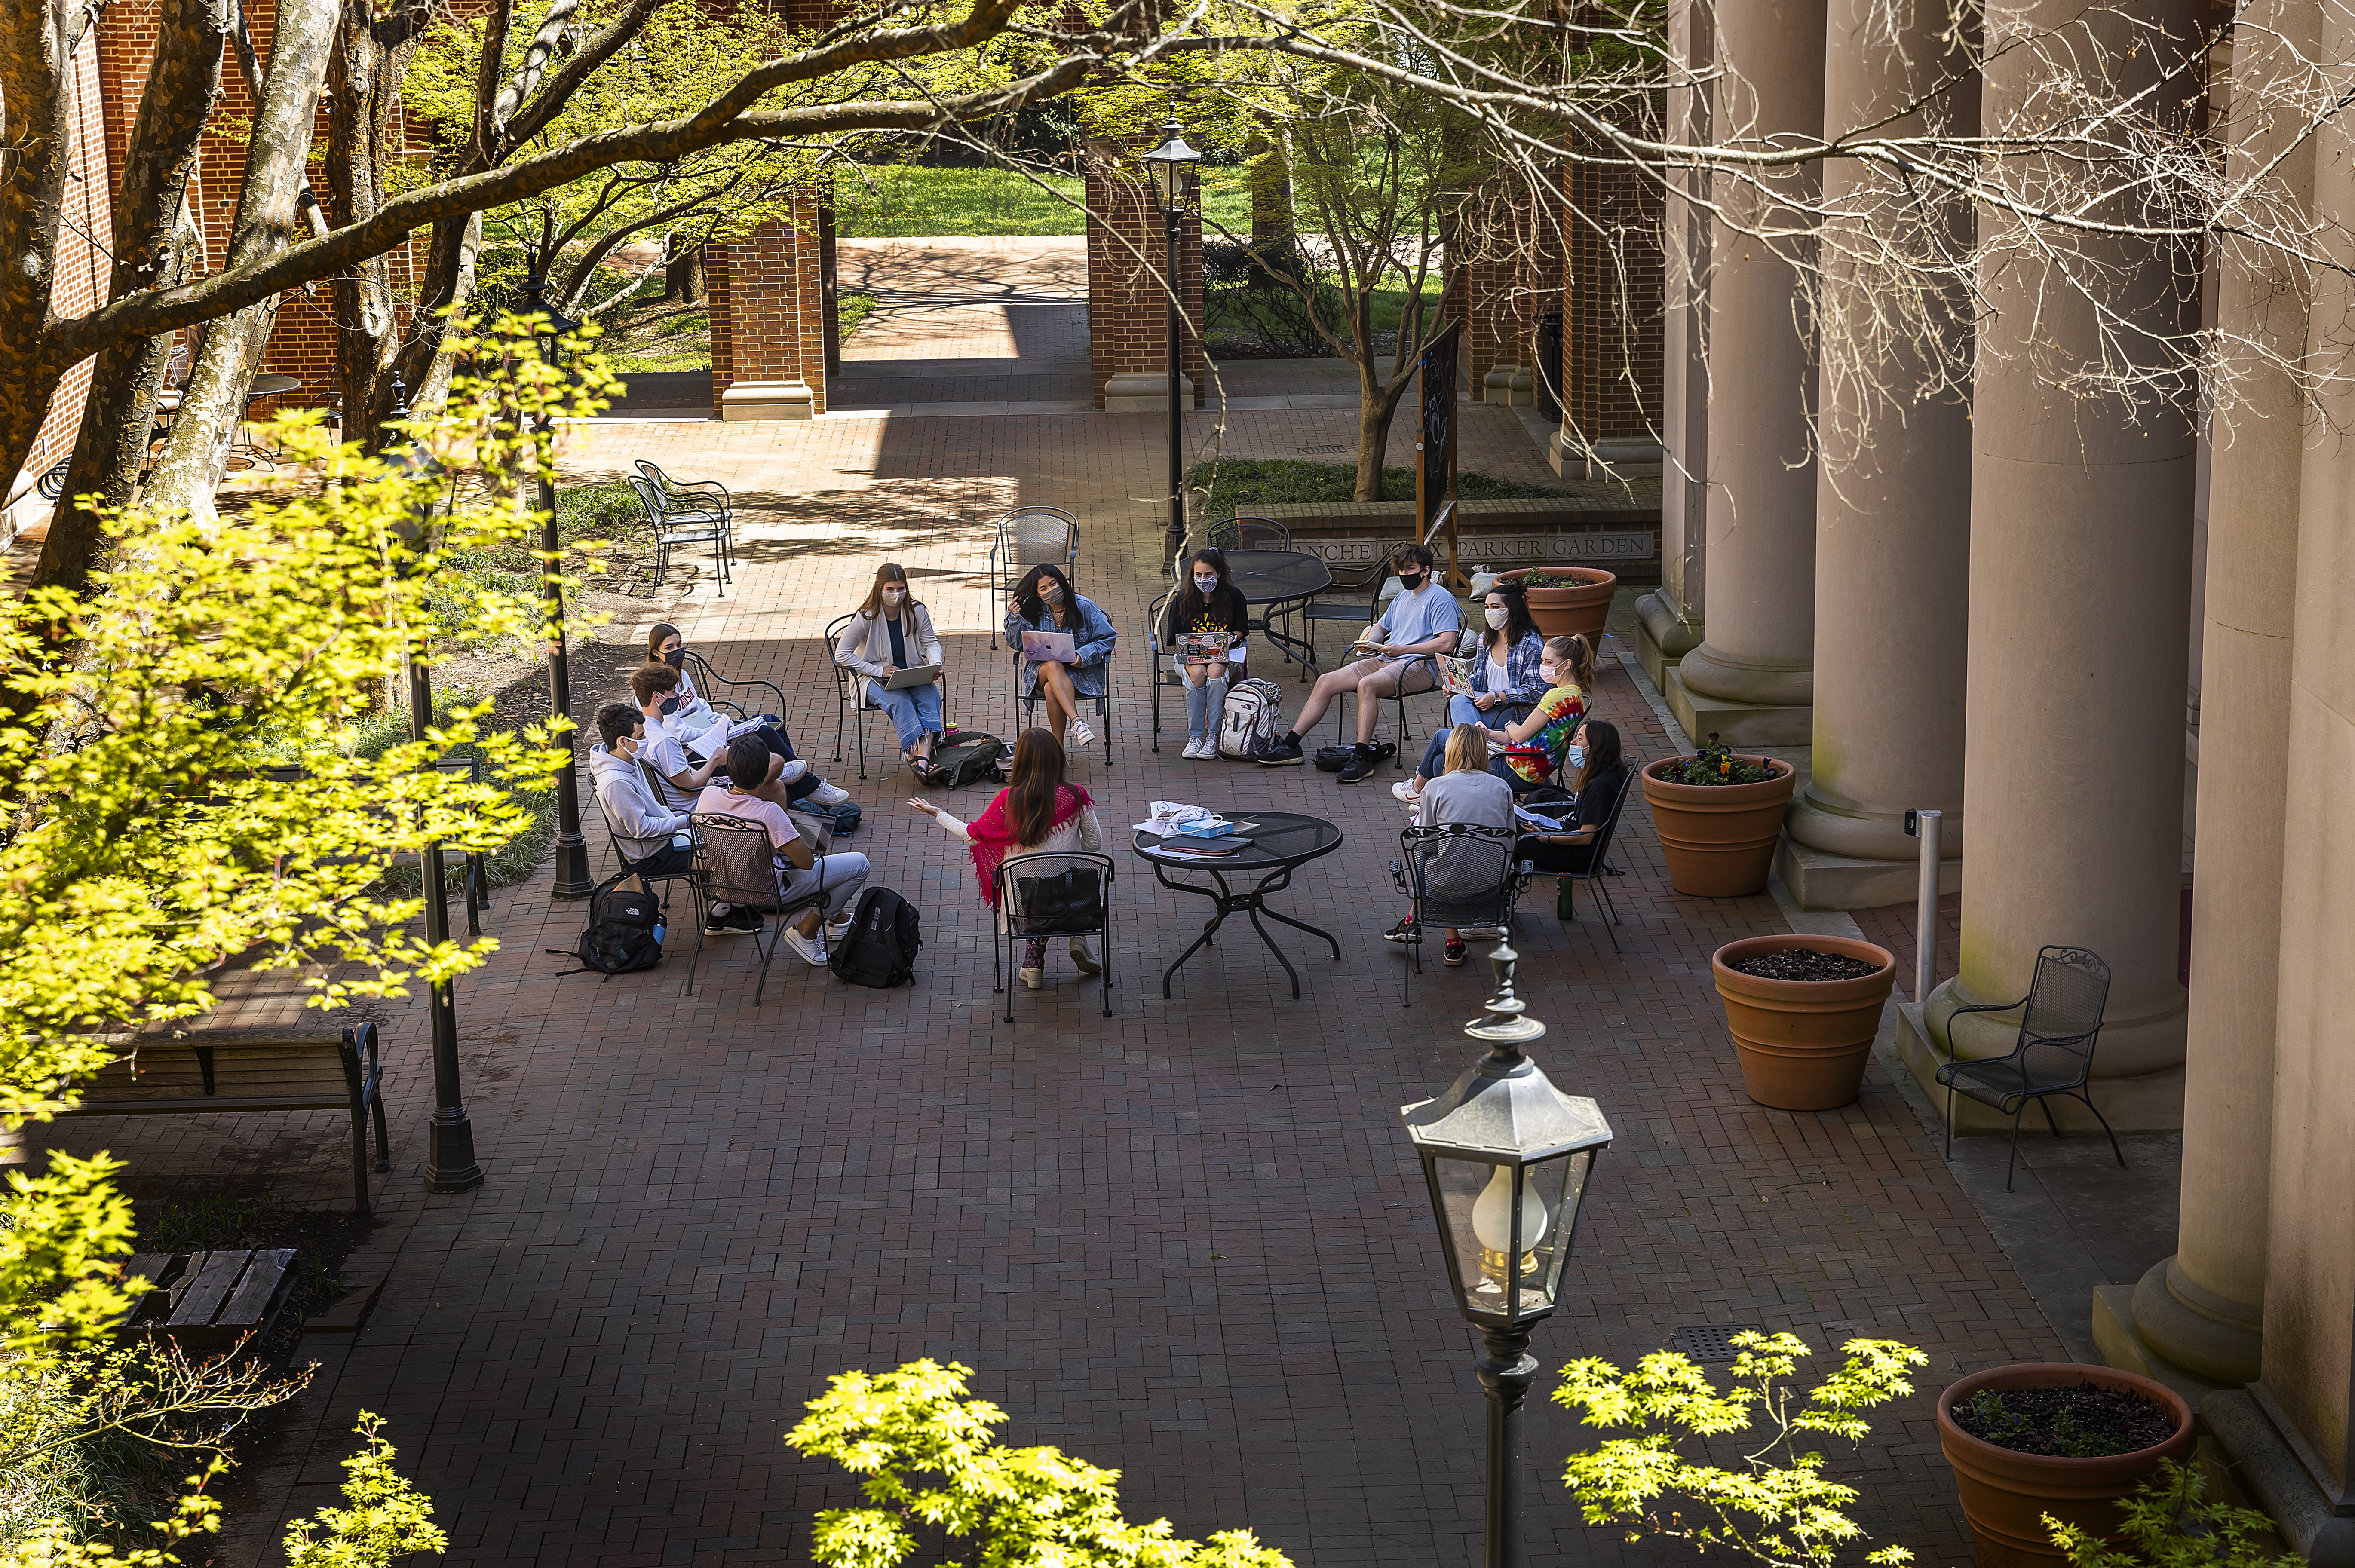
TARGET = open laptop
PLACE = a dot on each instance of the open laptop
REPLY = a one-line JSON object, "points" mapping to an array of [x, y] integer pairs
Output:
{"points": [[1058, 647], [920, 675]]}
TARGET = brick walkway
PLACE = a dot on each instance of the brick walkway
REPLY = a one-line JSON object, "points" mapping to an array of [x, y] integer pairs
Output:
{"points": [[1190, 1240]]}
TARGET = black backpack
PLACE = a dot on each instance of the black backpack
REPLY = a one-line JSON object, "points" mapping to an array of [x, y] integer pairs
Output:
{"points": [[844, 816], [969, 757], [624, 931], [880, 949]]}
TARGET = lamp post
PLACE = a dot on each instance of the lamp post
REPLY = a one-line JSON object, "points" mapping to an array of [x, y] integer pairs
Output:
{"points": [[1507, 1157], [450, 1163], [1171, 166], [572, 878]]}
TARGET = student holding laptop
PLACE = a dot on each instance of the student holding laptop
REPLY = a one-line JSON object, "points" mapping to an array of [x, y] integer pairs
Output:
{"points": [[890, 642], [1204, 629], [1066, 642]]}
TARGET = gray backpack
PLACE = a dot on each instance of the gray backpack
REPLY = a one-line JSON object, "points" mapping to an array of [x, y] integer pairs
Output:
{"points": [[1253, 718]]}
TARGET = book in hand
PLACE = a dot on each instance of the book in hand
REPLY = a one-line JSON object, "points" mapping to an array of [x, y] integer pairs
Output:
{"points": [[1047, 647], [1457, 674], [714, 740]]}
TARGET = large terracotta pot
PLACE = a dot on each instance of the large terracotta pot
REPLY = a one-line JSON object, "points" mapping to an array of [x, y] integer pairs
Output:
{"points": [[1802, 1043], [1719, 839], [1570, 611], [2006, 1494]]}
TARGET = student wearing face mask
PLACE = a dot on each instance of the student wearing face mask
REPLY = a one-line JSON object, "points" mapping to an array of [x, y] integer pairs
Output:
{"points": [[1044, 602], [679, 778], [1507, 680], [1421, 621], [890, 632], [1539, 745], [1207, 605], [646, 829], [1596, 773], [702, 730]]}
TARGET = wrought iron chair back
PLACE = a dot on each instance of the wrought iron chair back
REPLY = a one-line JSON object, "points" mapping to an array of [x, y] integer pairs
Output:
{"points": [[674, 525], [2060, 1025], [721, 692], [1018, 875], [1250, 533], [1029, 536], [1458, 874], [736, 864]]}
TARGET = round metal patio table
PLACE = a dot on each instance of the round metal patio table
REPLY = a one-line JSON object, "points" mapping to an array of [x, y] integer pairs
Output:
{"points": [[1280, 842], [1278, 581]]}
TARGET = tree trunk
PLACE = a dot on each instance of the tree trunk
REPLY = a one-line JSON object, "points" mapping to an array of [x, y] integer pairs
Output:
{"points": [[155, 244], [363, 80], [37, 44], [683, 281], [197, 452]]}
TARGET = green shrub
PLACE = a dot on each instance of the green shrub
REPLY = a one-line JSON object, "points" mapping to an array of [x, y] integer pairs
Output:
{"points": [[1243, 485]]}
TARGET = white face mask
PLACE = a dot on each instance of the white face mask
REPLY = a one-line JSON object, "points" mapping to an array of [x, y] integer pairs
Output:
{"points": [[1577, 756], [1206, 586], [895, 597], [1496, 620]]}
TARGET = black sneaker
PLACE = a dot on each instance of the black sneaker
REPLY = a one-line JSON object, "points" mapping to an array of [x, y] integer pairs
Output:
{"points": [[1403, 932], [1367, 760], [733, 920], [1280, 754]]}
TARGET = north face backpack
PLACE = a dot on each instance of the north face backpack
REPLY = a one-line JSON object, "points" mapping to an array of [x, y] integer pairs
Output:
{"points": [[1252, 720], [969, 757], [625, 930], [880, 949]]}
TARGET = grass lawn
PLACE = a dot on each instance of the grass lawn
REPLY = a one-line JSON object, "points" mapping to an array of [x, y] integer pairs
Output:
{"points": [[895, 201]]}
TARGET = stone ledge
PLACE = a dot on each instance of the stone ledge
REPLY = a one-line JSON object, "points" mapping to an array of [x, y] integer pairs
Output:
{"points": [[1820, 880], [2266, 1466], [768, 400], [1742, 724]]}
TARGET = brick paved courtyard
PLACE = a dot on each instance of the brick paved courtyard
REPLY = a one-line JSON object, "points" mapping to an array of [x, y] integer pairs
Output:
{"points": [[1190, 1240]]}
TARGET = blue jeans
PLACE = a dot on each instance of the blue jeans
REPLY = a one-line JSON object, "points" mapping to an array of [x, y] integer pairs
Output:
{"points": [[915, 711], [1460, 710], [1205, 703]]}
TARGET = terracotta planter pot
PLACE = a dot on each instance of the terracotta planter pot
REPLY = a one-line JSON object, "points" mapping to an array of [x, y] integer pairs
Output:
{"points": [[1570, 611], [1719, 839], [1802, 1043], [2006, 1494]]}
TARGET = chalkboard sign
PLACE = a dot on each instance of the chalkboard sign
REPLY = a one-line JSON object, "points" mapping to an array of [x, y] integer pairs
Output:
{"points": [[1434, 443]]}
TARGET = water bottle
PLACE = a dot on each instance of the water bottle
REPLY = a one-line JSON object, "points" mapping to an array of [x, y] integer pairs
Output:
{"points": [[658, 932]]}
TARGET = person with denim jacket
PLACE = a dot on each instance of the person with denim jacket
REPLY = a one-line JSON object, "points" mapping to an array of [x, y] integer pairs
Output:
{"points": [[1507, 680], [1044, 601]]}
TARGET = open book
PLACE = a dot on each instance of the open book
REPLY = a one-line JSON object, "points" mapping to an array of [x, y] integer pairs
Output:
{"points": [[1456, 673], [714, 740]]}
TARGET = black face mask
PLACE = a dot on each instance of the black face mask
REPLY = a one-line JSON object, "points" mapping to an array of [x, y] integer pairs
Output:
{"points": [[1409, 581], [676, 658], [669, 706]]}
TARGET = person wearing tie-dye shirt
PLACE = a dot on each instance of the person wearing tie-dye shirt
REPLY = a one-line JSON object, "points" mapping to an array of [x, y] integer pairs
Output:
{"points": [[1535, 747]]}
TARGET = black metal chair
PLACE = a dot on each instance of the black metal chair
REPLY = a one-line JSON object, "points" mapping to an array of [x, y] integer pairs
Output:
{"points": [[1458, 874], [1015, 877], [621, 864], [735, 864], [1163, 673], [1398, 701], [1026, 709], [1355, 597], [1027, 536], [1249, 533], [732, 695], [1596, 869], [698, 496], [682, 524], [2054, 1053], [851, 694]]}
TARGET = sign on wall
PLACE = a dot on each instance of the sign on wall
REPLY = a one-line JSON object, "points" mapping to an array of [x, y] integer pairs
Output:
{"points": [[1504, 550]]}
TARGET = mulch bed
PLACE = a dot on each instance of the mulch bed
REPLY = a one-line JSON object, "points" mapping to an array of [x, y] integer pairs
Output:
{"points": [[1803, 963], [2078, 1421]]}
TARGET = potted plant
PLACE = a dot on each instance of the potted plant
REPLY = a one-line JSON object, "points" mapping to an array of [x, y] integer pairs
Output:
{"points": [[2058, 1438], [1567, 600], [1802, 1011], [1717, 815]]}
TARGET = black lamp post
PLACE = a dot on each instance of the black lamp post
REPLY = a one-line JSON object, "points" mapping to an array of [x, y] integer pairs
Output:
{"points": [[572, 878], [1507, 1157], [1171, 166], [450, 1163]]}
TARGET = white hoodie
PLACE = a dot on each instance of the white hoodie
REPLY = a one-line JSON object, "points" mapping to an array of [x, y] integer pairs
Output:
{"points": [[641, 825]]}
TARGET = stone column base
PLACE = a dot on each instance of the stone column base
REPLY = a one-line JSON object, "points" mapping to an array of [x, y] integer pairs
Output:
{"points": [[1663, 636], [2274, 1465], [1142, 392], [768, 400], [2150, 1103], [2126, 1316], [1739, 724], [1511, 386], [1820, 880]]}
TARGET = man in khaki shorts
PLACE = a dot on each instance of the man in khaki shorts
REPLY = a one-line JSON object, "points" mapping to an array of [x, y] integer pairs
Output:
{"points": [[1423, 620]]}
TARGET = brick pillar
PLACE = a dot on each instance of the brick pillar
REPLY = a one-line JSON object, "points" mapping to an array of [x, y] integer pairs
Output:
{"points": [[768, 337], [1511, 264], [1127, 309], [1613, 292]]}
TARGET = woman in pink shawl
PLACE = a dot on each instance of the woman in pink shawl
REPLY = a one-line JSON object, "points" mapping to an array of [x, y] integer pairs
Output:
{"points": [[1038, 812]]}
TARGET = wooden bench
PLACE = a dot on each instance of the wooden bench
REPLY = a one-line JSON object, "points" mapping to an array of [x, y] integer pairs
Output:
{"points": [[195, 1071], [211, 1301]]}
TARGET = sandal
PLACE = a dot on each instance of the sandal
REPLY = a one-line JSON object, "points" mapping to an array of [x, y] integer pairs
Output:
{"points": [[922, 768]]}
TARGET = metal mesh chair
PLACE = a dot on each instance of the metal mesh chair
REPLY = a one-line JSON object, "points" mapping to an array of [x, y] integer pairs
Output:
{"points": [[736, 864], [2054, 1053], [1250, 533], [698, 496], [1029, 536], [1026, 707], [682, 525], [1163, 674], [621, 861], [851, 694], [1596, 869], [1017, 876], [1458, 874]]}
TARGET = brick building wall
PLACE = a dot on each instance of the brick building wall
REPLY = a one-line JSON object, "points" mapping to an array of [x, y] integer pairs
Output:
{"points": [[85, 248], [1127, 251], [1511, 253], [1613, 292], [767, 318]]}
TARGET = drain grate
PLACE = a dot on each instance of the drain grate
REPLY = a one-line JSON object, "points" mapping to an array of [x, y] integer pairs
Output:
{"points": [[1708, 1343], [1320, 451]]}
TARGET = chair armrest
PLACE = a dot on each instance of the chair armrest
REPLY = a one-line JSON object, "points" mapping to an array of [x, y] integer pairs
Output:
{"points": [[1991, 1008]]}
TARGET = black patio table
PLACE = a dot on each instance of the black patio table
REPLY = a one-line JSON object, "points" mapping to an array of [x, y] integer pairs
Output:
{"points": [[1281, 841], [1278, 580]]}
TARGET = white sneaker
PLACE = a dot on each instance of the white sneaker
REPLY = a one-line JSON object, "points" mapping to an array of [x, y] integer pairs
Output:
{"points": [[793, 770], [1079, 734], [1198, 748], [1404, 790], [1033, 979], [811, 948], [1083, 960], [829, 793]]}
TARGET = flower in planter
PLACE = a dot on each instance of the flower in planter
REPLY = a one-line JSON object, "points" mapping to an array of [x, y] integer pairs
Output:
{"points": [[1714, 764]]}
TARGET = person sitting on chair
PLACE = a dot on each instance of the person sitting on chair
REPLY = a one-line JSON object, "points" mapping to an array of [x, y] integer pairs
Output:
{"points": [[695, 716], [681, 776], [892, 632], [1045, 601], [646, 829], [1599, 773], [1206, 604], [1468, 793], [1507, 680], [1421, 621], [800, 870], [1534, 748]]}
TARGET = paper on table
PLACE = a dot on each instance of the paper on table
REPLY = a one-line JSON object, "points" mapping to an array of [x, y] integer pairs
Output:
{"points": [[1168, 813]]}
